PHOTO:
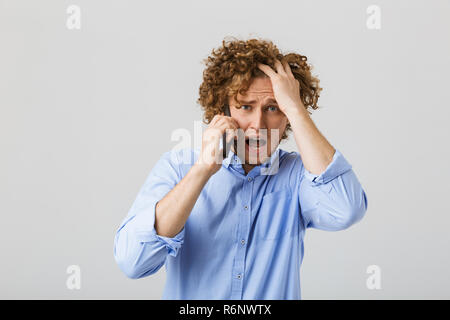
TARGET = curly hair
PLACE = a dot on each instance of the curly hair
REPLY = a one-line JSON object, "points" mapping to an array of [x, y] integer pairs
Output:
{"points": [[230, 69]]}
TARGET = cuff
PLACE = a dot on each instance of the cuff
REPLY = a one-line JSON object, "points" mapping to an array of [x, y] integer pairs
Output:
{"points": [[336, 167], [147, 232], [172, 244]]}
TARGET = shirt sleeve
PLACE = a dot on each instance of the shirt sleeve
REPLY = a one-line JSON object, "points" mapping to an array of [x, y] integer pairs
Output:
{"points": [[334, 199], [138, 249]]}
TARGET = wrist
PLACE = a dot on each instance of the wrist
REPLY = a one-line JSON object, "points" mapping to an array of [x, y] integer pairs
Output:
{"points": [[204, 170], [295, 113]]}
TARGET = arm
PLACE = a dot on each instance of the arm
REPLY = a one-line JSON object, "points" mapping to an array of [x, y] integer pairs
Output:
{"points": [[174, 209], [154, 226], [314, 148], [138, 249], [333, 200], [330, 195]]}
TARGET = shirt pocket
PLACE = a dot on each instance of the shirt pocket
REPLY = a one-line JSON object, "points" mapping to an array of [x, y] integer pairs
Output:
{"points": [[275, 218]]}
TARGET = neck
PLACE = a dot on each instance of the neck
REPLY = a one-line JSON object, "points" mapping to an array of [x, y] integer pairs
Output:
{"points": [[248, 167]]}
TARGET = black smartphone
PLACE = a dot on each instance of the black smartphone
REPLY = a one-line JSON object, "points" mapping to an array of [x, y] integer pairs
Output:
{"points": [[226, 111]]}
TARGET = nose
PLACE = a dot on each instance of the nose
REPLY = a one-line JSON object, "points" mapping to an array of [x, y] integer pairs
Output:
{"points": [[257, 120]]}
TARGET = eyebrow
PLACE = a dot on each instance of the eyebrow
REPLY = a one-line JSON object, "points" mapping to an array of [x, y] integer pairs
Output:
{"points": [[253, 101]]}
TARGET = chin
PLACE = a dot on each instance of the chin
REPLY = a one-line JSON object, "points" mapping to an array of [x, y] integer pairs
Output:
{"points": [[255, 161]]}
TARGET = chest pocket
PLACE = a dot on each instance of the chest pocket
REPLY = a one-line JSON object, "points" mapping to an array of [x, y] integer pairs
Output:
{"points": [[275, 217]]}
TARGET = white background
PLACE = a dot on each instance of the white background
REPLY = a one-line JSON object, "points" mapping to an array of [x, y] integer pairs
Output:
{"points": [[85, 114]]}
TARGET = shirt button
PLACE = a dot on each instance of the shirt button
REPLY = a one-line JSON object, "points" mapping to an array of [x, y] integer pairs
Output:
{"points": [[239, 276], [245, 207], [249, 179], [242, 241]]}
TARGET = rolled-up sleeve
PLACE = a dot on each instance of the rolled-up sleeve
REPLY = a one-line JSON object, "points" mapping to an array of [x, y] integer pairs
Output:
{"points": [[138, 249], [334, 199]]}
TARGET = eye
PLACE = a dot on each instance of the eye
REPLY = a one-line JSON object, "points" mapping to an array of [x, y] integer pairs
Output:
{"points": [[274, 108], [245, 106]]}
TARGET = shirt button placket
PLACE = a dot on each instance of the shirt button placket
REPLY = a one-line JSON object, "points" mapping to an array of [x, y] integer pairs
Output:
{"points": [[243, 231]]}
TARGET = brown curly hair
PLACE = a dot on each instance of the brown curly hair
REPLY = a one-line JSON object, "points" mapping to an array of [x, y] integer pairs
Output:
{"points": [[230, 69]]}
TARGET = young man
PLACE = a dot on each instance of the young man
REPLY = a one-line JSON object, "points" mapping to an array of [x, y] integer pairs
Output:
{"points": [[234, 228]]}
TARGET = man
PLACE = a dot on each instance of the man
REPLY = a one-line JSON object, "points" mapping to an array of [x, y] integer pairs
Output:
{"points": [[233, 228]]}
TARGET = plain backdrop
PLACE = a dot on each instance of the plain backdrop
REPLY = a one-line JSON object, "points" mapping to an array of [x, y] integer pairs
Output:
{"points": [[85, 114]]}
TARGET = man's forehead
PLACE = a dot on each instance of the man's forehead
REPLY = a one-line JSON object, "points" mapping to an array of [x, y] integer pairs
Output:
{"points": [[259, 87], [260, 91], [254, 95], [260, 84]]}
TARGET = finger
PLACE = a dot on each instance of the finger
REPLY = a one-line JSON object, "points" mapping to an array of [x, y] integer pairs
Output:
{"points": [[229, 129], [235, 123], [288, 70], [220, 121], [218, 118], [279, 66], [266, 69], [237, 129], [227, 120], [227, 125], [231, 133], [214, 120]]}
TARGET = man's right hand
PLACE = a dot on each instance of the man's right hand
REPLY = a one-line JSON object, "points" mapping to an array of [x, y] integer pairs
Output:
{"points": [[211, 156]]}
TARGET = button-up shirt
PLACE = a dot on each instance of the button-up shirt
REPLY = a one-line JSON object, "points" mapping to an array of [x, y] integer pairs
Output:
{"points": [[244, 236]]}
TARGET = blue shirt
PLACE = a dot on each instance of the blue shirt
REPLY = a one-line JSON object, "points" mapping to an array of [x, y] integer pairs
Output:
{"points": [[244, 236]]}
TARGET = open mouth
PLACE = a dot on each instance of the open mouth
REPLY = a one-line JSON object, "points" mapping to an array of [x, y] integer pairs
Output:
{"points": [[254, 143]]}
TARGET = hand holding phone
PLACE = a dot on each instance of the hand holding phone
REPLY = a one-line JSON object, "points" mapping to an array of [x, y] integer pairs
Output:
{"points": [[208, 157]]}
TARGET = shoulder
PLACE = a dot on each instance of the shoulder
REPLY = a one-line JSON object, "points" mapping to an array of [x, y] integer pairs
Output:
{"points": [[290, 167], [181, 159], [291, 159], [184, 156]]}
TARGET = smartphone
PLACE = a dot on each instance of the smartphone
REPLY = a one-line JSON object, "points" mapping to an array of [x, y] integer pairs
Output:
{"points": [[226, 111]]}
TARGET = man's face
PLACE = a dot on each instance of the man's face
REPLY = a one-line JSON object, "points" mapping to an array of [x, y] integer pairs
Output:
{"points": [[257, 110]]}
